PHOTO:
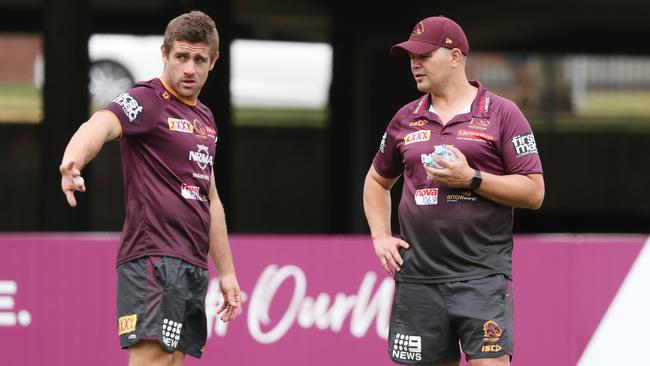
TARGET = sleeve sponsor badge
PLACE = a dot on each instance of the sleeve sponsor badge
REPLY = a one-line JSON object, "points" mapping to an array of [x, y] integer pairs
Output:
{"points": [[524, 144]]}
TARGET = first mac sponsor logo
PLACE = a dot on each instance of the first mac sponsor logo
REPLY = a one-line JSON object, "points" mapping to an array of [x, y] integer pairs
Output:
{"points": [[130, 105], [524, 144]]}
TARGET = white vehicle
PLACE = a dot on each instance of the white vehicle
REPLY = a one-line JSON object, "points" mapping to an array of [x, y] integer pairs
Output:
{"points": [[272, 74]]}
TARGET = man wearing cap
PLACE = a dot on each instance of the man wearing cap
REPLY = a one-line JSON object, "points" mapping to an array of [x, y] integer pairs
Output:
{"points": [[453, 263]]}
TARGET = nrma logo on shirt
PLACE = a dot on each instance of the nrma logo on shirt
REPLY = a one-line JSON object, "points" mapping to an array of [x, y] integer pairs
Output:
{"points": [[201, 156], [407, 347], [426, 196]]}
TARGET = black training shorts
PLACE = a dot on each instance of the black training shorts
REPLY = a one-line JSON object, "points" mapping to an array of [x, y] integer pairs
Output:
{"points": [[163, 299], [429, 320]]}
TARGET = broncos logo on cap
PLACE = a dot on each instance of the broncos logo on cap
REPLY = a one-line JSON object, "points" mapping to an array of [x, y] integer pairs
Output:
{"points": [[419, 29]]}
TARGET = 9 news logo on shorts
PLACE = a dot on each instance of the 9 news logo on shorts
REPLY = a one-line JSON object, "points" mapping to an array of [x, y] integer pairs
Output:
{"points": [[407, 347]]}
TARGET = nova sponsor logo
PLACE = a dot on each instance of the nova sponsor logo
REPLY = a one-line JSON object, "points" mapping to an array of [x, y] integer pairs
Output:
{"points": [[284, 289], [201, 156], [426, 196], [407, 347], [417, 136], [9, 318], [180, 125], [419, 123], [476, 135], [192, 192], [127, 323], [460, 196], [171, 332], [524, 144], [129, 105]]}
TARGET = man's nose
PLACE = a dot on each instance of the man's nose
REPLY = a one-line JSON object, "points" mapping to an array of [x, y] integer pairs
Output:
{"points": [[189, 67]]}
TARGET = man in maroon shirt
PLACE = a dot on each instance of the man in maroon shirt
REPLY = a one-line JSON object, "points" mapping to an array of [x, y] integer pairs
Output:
{"points": [[452, 264], [174, 217]]}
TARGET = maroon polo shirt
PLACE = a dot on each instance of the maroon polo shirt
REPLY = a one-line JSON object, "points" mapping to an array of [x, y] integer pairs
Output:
{"points": [[456, 234], [167, 148]]}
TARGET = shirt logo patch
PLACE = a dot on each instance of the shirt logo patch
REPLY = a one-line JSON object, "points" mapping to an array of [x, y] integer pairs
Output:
{"points": [[419, 123], [426, 197], [475, 134], [524, 144], [382, 145], [127, 323], [199, 128], [192, 193], [180, 125], [201, 156], [407, 347], [479, 123], [210, 131], [417, 136], [460, 197], [130, 105]]}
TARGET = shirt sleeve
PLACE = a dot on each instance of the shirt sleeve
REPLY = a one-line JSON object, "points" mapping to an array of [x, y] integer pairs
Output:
{"points": [[137, 109], [519, 149], [388, 160]]}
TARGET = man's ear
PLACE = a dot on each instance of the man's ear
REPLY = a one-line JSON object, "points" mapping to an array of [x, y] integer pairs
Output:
{"points": [[456, 57], [164, 53], [213, 59]]}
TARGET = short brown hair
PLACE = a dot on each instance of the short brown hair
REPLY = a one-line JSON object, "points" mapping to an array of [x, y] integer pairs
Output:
{"points": [[193, 27]]}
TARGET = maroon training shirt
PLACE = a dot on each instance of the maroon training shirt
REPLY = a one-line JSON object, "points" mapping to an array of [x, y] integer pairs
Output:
{"points": [[456, 234], [167, 147]]}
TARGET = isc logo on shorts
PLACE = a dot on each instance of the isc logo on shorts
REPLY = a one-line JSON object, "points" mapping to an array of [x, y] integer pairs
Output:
{"points": [[407, 347], [127, 323]]}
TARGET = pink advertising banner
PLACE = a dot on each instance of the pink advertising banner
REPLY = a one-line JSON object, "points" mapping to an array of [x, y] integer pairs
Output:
{"points": [[317, 300]]}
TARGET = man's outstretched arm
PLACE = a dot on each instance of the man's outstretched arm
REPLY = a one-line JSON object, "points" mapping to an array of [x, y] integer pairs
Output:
{"points": [[84, 145]]}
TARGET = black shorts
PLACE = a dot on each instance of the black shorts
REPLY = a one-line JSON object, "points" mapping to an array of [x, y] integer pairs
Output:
{"points": [[428, 321], [163, 299]]}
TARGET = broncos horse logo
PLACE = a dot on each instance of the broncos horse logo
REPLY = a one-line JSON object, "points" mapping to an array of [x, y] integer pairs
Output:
{"points": [[492, 329]]}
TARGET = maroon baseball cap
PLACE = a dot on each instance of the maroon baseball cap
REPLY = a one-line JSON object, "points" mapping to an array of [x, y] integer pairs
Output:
{"points": [[432, 33]]}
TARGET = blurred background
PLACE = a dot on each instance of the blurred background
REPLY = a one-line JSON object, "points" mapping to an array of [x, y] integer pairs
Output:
{"points": [[303, 92]]}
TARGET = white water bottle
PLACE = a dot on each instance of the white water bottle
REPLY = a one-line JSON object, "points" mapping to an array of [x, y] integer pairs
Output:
{"points": [[442, 152]]}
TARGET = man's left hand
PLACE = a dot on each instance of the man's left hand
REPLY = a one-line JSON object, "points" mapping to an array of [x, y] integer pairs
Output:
{"points": [[454, 174], [231, 306]]}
